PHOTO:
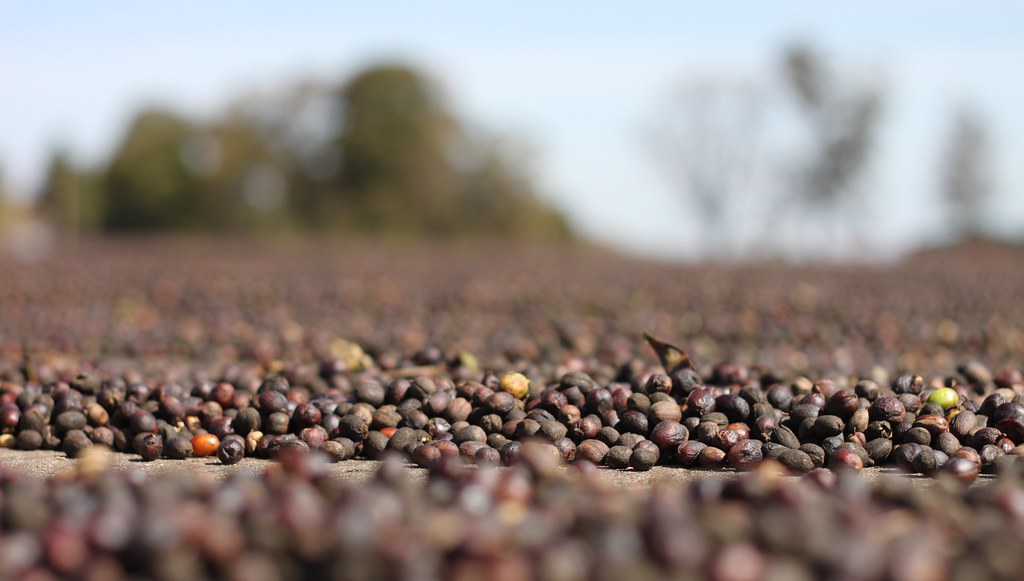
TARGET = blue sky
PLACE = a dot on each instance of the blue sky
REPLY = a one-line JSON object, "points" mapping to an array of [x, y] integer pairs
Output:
{"points": [[581, 82]]}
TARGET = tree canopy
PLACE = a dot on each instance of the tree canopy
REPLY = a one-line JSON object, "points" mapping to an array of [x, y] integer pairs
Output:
{"points": [[387, 156]]}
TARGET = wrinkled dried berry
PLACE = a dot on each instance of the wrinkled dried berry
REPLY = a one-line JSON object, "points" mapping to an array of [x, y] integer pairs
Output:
{"points": [[745, 455], [796, 461], [151, 447], [178, 448], [644, 456]]}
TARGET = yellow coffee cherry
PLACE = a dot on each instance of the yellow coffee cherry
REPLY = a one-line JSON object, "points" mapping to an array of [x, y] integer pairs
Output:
{"points": [[516, 384]]}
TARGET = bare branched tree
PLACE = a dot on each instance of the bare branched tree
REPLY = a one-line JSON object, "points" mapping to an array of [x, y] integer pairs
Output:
{"points": [[842, 120], [965, 173], [707, 143]]}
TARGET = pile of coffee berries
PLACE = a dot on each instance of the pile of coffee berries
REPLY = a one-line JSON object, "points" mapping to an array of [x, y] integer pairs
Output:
{"points": [[206, 306], [531, 521], [965, 424], [229, 351]]}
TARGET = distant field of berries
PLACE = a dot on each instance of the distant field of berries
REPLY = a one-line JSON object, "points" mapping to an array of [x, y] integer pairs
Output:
{"points": [[231, 348], [137, 304], [459, 359], [170, 350]]}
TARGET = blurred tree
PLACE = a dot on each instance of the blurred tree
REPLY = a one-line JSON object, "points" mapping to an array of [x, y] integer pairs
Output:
{"points": [[707, 143], [248, 189], [172, 174], [68, 198], [395, 137], [3, 199], [842, 120], [298, 128], [407, 166], [382, 155], [149, 184], [965, 169], [499, 197]]}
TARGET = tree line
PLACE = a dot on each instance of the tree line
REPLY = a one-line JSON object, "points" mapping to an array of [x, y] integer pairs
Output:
{"points": [[380, 154]]}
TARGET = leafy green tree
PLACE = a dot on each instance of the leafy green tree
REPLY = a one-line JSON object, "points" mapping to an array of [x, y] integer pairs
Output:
{"points": [[384, 156], [499, 197], [408, 166], [69, 197], [394, 141], [148, 183], [283, 142], [172, 174], [3, 196], [4, 211], [250, 186]]}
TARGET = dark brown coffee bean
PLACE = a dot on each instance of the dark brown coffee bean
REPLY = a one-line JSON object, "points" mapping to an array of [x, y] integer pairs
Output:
{"points": [[796, 461]]}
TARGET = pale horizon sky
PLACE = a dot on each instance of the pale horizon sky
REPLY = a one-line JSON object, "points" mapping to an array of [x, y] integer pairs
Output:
{"points": [[579, 82]]}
